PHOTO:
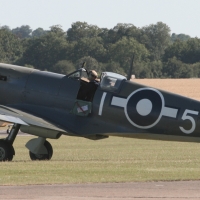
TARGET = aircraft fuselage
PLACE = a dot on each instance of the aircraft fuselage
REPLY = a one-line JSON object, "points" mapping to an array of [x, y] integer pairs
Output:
{"points": [[134, 110]]}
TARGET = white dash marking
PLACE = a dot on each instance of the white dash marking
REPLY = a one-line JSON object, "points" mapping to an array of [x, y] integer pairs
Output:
{"points": [[102, 102], [117, 101], [169, 112]]}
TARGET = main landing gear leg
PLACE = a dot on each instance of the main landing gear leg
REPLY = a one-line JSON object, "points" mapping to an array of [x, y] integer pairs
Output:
{"points": [[6, 145]]}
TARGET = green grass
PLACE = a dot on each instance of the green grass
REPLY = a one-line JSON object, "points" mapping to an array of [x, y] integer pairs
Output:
{"points": [[78, 160]]}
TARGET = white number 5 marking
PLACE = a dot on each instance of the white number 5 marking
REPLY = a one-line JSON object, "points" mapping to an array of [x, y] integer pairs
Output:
{"points": [[185, 116]]}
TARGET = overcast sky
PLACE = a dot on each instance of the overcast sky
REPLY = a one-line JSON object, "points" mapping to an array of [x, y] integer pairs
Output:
{"points": [[182, 16]]}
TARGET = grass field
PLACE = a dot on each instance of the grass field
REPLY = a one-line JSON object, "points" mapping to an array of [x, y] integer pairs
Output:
{"points": [[78, 160]]}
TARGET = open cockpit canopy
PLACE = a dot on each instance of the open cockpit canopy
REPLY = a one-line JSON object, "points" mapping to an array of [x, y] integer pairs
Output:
{"points": [[79, 74], [108, 80]]}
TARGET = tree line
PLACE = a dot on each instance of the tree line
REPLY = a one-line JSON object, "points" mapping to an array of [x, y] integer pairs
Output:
{"points": [[157, 52]]}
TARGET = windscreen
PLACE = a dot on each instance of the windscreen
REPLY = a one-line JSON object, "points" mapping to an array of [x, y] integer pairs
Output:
{"points": [[111, 81]]}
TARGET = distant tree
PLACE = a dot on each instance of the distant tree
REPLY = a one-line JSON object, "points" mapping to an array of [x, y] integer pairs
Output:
{"points": [[192, 51], [123, 50], [155, 68], [38, 32], [63, 67], [10, 47], [186, 51], [144, 72], [23, 31], [122, 30], [80, 30], [176, 49], [5, 27], [57, 29], [113, 67], [44, 52], [156, 38], [176, 69], [104, 34], [156, 52], [89, 47], [196, 70], [181, 37], [90, 63]]}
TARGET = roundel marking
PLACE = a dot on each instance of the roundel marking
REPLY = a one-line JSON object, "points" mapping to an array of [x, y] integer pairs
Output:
{"points": [[144, 107]]}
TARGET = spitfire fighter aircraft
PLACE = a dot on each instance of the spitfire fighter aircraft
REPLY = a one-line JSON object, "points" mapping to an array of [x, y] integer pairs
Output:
{"points": [[47, 105]]}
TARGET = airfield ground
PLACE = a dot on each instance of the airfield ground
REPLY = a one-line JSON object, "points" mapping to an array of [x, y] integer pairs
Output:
{"points": [[78, 160], [186, 87]]}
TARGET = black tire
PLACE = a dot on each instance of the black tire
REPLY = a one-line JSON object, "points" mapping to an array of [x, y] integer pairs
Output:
{"points": [[43, 156], [6, 151]]}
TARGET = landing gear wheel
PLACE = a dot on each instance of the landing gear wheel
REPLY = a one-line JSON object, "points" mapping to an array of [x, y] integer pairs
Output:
{"points": [[6, 151], [43, 156]]}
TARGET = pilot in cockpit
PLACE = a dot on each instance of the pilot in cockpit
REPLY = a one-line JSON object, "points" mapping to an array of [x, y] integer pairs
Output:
{"points": [[88, 92]]}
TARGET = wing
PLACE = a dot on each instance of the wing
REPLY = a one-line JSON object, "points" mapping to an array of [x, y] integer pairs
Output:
{"points": [[12, 115]]}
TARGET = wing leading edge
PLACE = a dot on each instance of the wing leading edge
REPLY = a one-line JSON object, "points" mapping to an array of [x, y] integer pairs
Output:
{"points": [[12, 115]]}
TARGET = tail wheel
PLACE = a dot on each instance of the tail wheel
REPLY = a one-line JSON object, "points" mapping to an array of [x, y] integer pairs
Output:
{"points": [[43, 156], [6, 151]]}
